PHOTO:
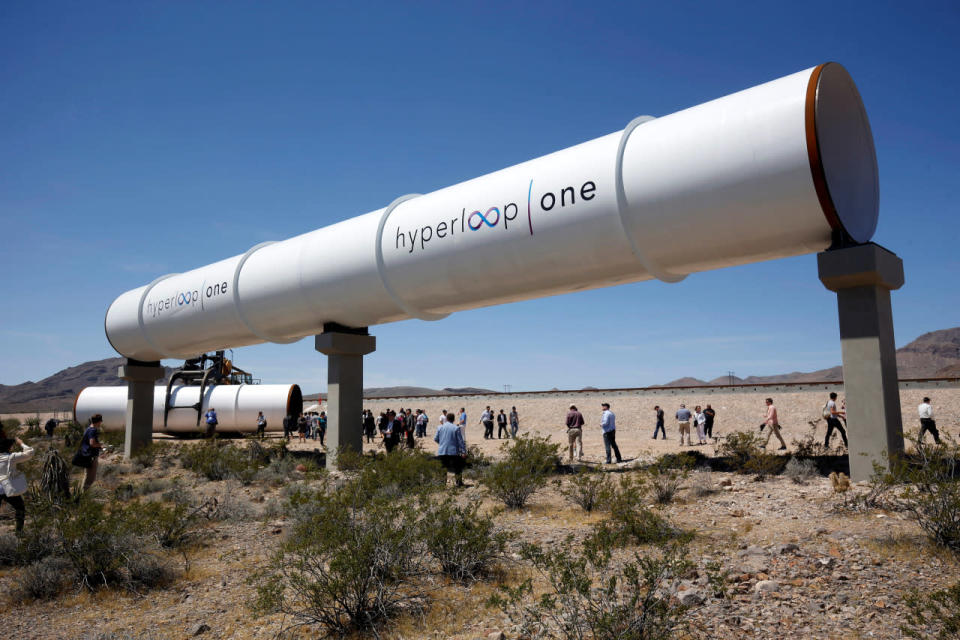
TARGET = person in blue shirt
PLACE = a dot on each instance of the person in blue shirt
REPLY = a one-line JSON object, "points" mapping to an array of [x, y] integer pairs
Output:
{"points": [[212, 422], [451, 448], [608, 422]]}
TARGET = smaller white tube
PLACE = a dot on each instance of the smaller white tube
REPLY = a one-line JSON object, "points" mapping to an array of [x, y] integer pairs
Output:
{"points": [[236, 406]]}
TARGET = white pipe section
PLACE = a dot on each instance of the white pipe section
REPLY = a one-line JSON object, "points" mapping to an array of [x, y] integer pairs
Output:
{"points": [[769, 172], [236, 406]]}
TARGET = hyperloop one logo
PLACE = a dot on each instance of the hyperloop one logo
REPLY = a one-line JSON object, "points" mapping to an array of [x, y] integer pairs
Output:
{"points": [[501, 216]]}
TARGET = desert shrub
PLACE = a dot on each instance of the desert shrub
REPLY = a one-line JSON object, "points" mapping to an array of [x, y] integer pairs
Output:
{"points": [[9, 550], [348, 566], [810, 447], [739, 448], [112, 438], [701, 482], [932, 492], [683, 461], [55, 475], [104, 544], [590, 596], [350, 460], [586, 489], [933, 615], [277, 472], [71, 432], [148, 455], [665, 484], [43, 580], [631, 521], [464, 542], [11, 426], [33, 427], [801, 471], [129, 490], [401, 473], [216, 460], [763, 464], [528, 462]]}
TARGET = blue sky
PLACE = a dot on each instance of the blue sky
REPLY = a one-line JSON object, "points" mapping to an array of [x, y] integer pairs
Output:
{"points": [[142, 138]]}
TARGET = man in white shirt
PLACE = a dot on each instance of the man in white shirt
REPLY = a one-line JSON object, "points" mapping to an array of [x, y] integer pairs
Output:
{"points": [[927, 422], [608, 423], [833, 416]]}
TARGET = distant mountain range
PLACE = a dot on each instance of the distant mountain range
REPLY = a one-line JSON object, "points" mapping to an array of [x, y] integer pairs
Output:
{"points": [[934, 354]]}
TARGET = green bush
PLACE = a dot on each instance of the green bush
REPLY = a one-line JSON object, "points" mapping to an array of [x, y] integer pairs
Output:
{"points": [[464, 542], [590, 596], [932, 491], [666, 483], [400, 473], [348, 566], [631, 522], [33, 427], [103, 544], [739, 448], [43, 580], [586, 489], [683, 461], [11, 426], [525, 469], [217, 460], [933, 615], [148, 455]]}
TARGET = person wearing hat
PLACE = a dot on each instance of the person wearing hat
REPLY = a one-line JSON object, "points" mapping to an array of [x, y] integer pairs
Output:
{"points": [[608, 423]]}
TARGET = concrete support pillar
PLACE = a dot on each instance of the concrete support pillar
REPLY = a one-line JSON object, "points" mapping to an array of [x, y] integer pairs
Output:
{"points": [[344, 348], [862, 277], [140, 377]]}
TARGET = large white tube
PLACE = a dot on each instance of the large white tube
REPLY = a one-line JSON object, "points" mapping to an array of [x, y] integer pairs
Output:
{"points": [[236, 405], [772, 171]]}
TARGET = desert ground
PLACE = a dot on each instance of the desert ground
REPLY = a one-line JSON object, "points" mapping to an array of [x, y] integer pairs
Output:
{"points": [[825, 573]]}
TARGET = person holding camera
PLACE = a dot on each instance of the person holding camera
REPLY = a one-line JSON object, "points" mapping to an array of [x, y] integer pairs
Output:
{"points": [[13, 483]]}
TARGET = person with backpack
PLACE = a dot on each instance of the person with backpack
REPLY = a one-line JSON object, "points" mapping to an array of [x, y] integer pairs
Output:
{"points": [[322, 428], [422, 420], [13, 483], [833, 415], [212, 422], [88, 455]]}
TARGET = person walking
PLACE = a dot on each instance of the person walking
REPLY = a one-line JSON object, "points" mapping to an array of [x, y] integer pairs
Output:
{"points": [[502, 425], [575, 432], [658, 426], [486, 419], [608, 423], [302, 426], [833, 415], [462, 422], [701, 421], [514, 422], [322, 428], [927, 423], [89, 452], [711, 414], [261, 425], [683, 423], [369, 425], [288, 424], [212, 422], [13, 483], [772, 422], [451, 448]]}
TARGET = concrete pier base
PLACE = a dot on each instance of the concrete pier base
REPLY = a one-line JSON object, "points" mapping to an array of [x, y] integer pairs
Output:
{"points": [[344, 348], [862, 277], [140, 377]]}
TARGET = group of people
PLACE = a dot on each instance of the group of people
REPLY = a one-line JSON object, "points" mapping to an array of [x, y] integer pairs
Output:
{"points": [[311, 424], [702, 418], [487, 419], [608, 426]]}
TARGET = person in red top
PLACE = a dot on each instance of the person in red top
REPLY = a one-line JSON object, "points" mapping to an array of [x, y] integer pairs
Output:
{"points": [[774, 425], [575, 432]]}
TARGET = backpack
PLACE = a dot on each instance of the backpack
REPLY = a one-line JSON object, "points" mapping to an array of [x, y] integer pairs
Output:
{"points": [[825, 412]]}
